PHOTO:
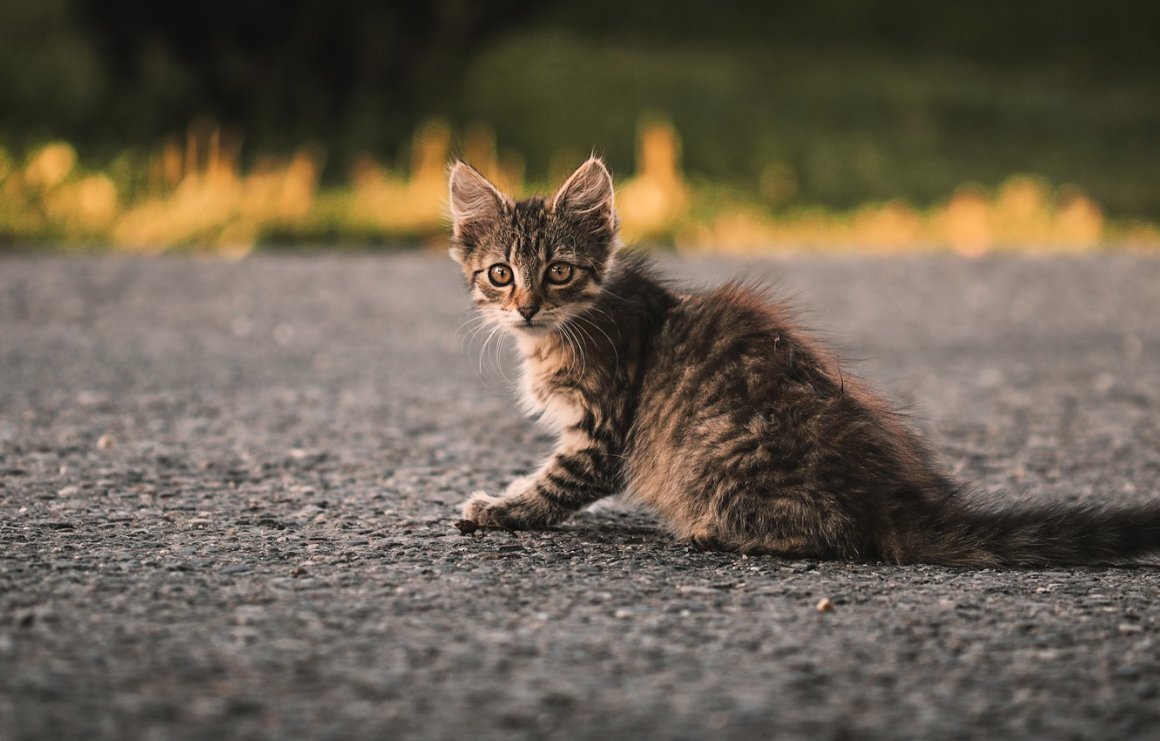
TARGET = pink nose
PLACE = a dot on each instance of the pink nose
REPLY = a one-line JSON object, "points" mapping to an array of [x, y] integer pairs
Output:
{"points": [[529, 311]]}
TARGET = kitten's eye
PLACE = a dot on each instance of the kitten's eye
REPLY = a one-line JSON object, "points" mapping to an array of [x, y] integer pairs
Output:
{"points": [[559, 272], [499, 274]]}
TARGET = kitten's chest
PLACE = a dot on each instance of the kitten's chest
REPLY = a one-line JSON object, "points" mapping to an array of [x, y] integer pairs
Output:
{"points": [[542, 395]]}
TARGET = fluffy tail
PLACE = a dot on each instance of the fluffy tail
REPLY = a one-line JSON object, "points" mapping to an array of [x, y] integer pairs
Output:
{"points": [[984, 535]]}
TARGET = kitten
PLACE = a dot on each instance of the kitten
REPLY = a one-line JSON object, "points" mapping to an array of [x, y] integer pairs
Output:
{"points": [[715, 411]]}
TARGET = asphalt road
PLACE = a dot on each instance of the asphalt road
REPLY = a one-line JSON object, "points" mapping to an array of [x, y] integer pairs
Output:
{"points": [[226, 496]]}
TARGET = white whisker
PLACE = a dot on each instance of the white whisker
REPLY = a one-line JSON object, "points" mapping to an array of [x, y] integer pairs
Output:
{"points": [[579, 349], [598, 328]]}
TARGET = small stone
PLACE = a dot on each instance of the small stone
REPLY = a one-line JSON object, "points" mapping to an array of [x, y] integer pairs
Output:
{"points": [[824, 605], [1103, 382], [465, 527], [106, 441], [695, 589], [1126, 672]]}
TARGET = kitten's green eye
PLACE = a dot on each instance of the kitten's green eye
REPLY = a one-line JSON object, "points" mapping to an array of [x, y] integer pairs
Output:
{"points": [[559, 272], [499, 274]]}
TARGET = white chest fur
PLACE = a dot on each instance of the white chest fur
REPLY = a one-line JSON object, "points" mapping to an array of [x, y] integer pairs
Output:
{"points": [[557, 409]]}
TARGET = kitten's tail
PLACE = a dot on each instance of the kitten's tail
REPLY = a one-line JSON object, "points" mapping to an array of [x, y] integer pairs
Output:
{"points": [[984, 535]]}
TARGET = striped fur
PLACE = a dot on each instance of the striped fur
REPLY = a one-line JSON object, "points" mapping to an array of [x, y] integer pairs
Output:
{"points": [[718, 413]]}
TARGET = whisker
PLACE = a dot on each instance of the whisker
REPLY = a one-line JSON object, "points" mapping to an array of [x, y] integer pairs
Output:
{"points": [[615, 296], [581, 350], [577, 352], [498, 358], [567, 341], [598, 328], [469, 336], [483, 348]]}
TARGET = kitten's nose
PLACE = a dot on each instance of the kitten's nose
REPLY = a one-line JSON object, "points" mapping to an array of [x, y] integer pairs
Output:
{"points": [[528, 311]]}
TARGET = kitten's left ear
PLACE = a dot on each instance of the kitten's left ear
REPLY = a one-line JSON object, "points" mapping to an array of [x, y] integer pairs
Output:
{"points": [[587, 198]]}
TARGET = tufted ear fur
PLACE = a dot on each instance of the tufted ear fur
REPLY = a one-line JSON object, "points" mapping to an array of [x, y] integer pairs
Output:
{"points": [[476, 207], [586, 198]]}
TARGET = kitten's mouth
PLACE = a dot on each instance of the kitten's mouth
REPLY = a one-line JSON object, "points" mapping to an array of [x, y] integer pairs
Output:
{"points": [[533, 327], [538, 325]]}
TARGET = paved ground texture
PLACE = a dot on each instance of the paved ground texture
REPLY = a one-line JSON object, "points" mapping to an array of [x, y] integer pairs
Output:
{"points": [[227, 489]]}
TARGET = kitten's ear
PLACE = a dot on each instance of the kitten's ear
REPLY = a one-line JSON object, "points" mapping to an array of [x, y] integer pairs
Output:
{"points": [[587, 198], [476, 207]]}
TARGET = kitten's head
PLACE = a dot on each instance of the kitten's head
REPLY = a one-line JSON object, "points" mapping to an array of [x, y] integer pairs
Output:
{"points": [[533, 264]]}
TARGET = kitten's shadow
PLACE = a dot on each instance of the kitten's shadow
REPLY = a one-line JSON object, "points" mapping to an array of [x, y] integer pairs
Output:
{"points": [[620, 526]]}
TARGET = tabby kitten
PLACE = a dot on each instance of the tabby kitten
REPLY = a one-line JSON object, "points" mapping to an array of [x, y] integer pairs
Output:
{"points": [[718, 413]]}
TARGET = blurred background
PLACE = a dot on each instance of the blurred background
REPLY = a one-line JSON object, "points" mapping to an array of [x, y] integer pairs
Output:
{"points": [[871, 125]]}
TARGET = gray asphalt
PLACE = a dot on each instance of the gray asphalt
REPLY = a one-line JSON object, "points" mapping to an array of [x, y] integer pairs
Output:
{"points": [[227, 489]]}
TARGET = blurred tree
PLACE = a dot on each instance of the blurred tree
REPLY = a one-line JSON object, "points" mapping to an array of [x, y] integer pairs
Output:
{"points": [[51, 77], [357, 74]]}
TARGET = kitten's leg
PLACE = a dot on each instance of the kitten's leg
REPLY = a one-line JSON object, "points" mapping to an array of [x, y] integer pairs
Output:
{"points": [[709, 543], [790, 524], [577, 474], [712, 540], [784, 547]]}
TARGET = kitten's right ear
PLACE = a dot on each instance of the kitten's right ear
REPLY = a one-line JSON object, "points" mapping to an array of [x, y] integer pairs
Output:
{"points": [[476, 207]]}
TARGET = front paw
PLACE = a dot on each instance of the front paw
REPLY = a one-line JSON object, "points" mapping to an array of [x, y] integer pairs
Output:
{"points": [[481, 508], [508, 512]]}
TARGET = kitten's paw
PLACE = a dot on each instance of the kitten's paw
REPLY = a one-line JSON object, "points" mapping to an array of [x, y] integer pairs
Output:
{"points": [[707, 543], [477, 507], [509, 512], [708, 539]]}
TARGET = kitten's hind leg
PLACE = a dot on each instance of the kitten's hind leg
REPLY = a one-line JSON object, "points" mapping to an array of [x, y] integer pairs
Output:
{"points": [[792, 523], [708, 538], [574, 477], [783, 547]]}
